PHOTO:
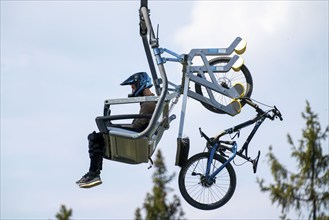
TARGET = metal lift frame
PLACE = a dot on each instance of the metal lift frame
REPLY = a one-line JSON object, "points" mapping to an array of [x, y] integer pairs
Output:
{"points": [[168, 93]]}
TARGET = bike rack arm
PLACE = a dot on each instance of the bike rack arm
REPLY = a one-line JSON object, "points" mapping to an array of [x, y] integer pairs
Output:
{"points": [[238, 46]]}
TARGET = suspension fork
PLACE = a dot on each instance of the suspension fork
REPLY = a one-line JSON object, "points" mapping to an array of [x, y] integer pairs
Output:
{"points": [[211, 177]]}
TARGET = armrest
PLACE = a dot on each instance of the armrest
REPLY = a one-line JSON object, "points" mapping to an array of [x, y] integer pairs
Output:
{"points": [[101, 120]]}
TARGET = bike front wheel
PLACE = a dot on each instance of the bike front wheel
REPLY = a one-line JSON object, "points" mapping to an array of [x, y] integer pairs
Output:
{"points": [[226, 80], [199, 192]]}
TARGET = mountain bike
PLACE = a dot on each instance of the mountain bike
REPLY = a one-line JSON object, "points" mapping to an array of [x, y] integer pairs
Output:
{"points": [[208, 180]]}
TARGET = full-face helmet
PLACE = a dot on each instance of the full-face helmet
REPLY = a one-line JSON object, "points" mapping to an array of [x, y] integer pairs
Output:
{"points": [[141, 81]]}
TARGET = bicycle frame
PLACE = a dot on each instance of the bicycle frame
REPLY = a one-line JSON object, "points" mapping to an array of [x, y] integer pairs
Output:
{"points": [[258, 121], [243, 152]]}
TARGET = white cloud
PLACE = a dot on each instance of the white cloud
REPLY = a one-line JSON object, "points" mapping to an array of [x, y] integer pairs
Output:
{"points": [[269, 27], [285, 40], [215, 22]]}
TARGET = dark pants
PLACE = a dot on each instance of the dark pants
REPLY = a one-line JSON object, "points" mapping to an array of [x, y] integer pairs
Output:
{"points": [[96, 151]]}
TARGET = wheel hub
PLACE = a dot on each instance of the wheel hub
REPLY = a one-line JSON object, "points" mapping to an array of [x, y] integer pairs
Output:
{"points": [[207, 183], [225, 82]]}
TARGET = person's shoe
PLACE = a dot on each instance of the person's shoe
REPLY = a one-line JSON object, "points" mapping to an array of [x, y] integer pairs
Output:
{"points": [[89, 180], [80, 180]]}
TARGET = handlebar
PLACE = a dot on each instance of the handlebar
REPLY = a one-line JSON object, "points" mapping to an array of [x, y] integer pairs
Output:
{"points": [[278, 113], [275, 111]]}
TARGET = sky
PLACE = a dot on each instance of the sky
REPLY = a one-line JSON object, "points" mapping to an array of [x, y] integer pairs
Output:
{"points": [[61, 59]]}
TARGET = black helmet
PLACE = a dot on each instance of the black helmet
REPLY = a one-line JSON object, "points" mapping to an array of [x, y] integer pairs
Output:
{"points": [[141, 80]]}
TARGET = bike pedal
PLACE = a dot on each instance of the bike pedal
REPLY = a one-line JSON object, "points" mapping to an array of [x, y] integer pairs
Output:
{"points": [[255, 162]]}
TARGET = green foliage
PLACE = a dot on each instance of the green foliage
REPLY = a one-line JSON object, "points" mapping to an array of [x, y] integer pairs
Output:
{"points": [[63, 213], [309, 186], [156, 204], [138, 215]]}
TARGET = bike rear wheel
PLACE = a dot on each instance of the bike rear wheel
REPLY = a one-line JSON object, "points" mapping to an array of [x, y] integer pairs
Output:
{"points": [[199, 193], [226, 80]]}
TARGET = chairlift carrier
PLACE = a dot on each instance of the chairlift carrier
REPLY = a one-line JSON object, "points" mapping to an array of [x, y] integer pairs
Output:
{"points": [[137, 147]]}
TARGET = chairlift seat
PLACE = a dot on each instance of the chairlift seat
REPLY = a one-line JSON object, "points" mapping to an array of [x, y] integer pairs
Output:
{"points": [[127, 146], [132, 151]]}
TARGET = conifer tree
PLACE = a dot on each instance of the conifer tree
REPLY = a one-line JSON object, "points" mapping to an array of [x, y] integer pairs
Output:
{"points": [[308, 187], [156, 204], [63, 213]]}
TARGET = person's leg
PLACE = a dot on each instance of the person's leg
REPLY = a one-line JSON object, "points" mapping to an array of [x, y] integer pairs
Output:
{"points": [[96, 152]]}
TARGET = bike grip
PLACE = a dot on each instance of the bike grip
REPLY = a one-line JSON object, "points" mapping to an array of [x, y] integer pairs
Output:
{"points": [[144, 3], [280, 117], [278, 113]]}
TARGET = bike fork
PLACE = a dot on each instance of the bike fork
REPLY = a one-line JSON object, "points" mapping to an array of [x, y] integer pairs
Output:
{"points": [[211, 177]]}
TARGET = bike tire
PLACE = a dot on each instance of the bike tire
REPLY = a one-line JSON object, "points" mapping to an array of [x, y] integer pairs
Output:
{"points": [[227, 80], [206, 197]]}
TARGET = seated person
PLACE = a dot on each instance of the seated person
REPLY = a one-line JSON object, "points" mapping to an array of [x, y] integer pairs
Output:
{"points": [[140, 84]]}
